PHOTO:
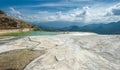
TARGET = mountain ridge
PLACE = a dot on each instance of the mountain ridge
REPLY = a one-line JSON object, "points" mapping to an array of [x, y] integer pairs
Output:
{"points": [[7, 22], [110, 28]]}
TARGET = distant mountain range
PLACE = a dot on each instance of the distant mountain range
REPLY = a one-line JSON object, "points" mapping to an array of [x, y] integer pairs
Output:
{"points": [[55, 25], [109, 28]]}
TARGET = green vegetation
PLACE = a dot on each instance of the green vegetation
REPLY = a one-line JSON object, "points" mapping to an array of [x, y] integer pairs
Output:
{"points": [[7, 22], [15, 34], [37, 29], [18, 59], [10, 23], [1, 12]]}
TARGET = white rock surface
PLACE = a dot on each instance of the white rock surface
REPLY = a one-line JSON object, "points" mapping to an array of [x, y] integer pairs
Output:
{"points": [[73, 52]]}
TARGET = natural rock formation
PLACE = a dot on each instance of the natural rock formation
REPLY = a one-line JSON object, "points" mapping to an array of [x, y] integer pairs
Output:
{"points": [[72, 52], [79, 53]]}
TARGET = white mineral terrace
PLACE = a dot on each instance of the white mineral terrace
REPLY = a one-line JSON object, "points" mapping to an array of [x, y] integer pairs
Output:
{"points": [[74, 51]]}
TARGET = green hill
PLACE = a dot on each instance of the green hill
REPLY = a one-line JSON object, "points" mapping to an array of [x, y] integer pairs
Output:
{"points": [[7, 22]]}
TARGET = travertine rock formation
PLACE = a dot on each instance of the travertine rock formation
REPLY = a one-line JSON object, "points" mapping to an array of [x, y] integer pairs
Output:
{"points": [[72, 52]]}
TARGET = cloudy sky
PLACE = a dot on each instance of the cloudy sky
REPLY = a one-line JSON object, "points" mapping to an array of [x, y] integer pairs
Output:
{"points": [[85, 11]]}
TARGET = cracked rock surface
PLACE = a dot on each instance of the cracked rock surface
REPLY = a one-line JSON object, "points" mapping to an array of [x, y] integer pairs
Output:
{"points": [[72, 52]]}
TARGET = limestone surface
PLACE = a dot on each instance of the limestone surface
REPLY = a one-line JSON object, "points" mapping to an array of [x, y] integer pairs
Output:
{"points": [[71, 52]]}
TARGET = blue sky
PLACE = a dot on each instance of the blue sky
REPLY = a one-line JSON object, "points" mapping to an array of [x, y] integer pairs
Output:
{"points": [[86, 11]]}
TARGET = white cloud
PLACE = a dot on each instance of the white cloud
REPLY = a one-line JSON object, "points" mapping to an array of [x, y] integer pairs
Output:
{"points": [[86, 15], [114, 10], [12, 10], [15, 13]]}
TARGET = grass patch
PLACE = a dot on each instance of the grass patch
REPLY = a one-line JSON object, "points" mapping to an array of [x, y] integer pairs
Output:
{"points": [[18, 59], [15, 34], [3, 37], [31, 33]]}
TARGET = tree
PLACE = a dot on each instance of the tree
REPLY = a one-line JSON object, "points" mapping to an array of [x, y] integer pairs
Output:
{"points": [[1, 12]]}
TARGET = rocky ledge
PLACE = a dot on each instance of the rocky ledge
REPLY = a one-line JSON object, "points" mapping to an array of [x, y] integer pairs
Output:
{"points": [[69, 52]]}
